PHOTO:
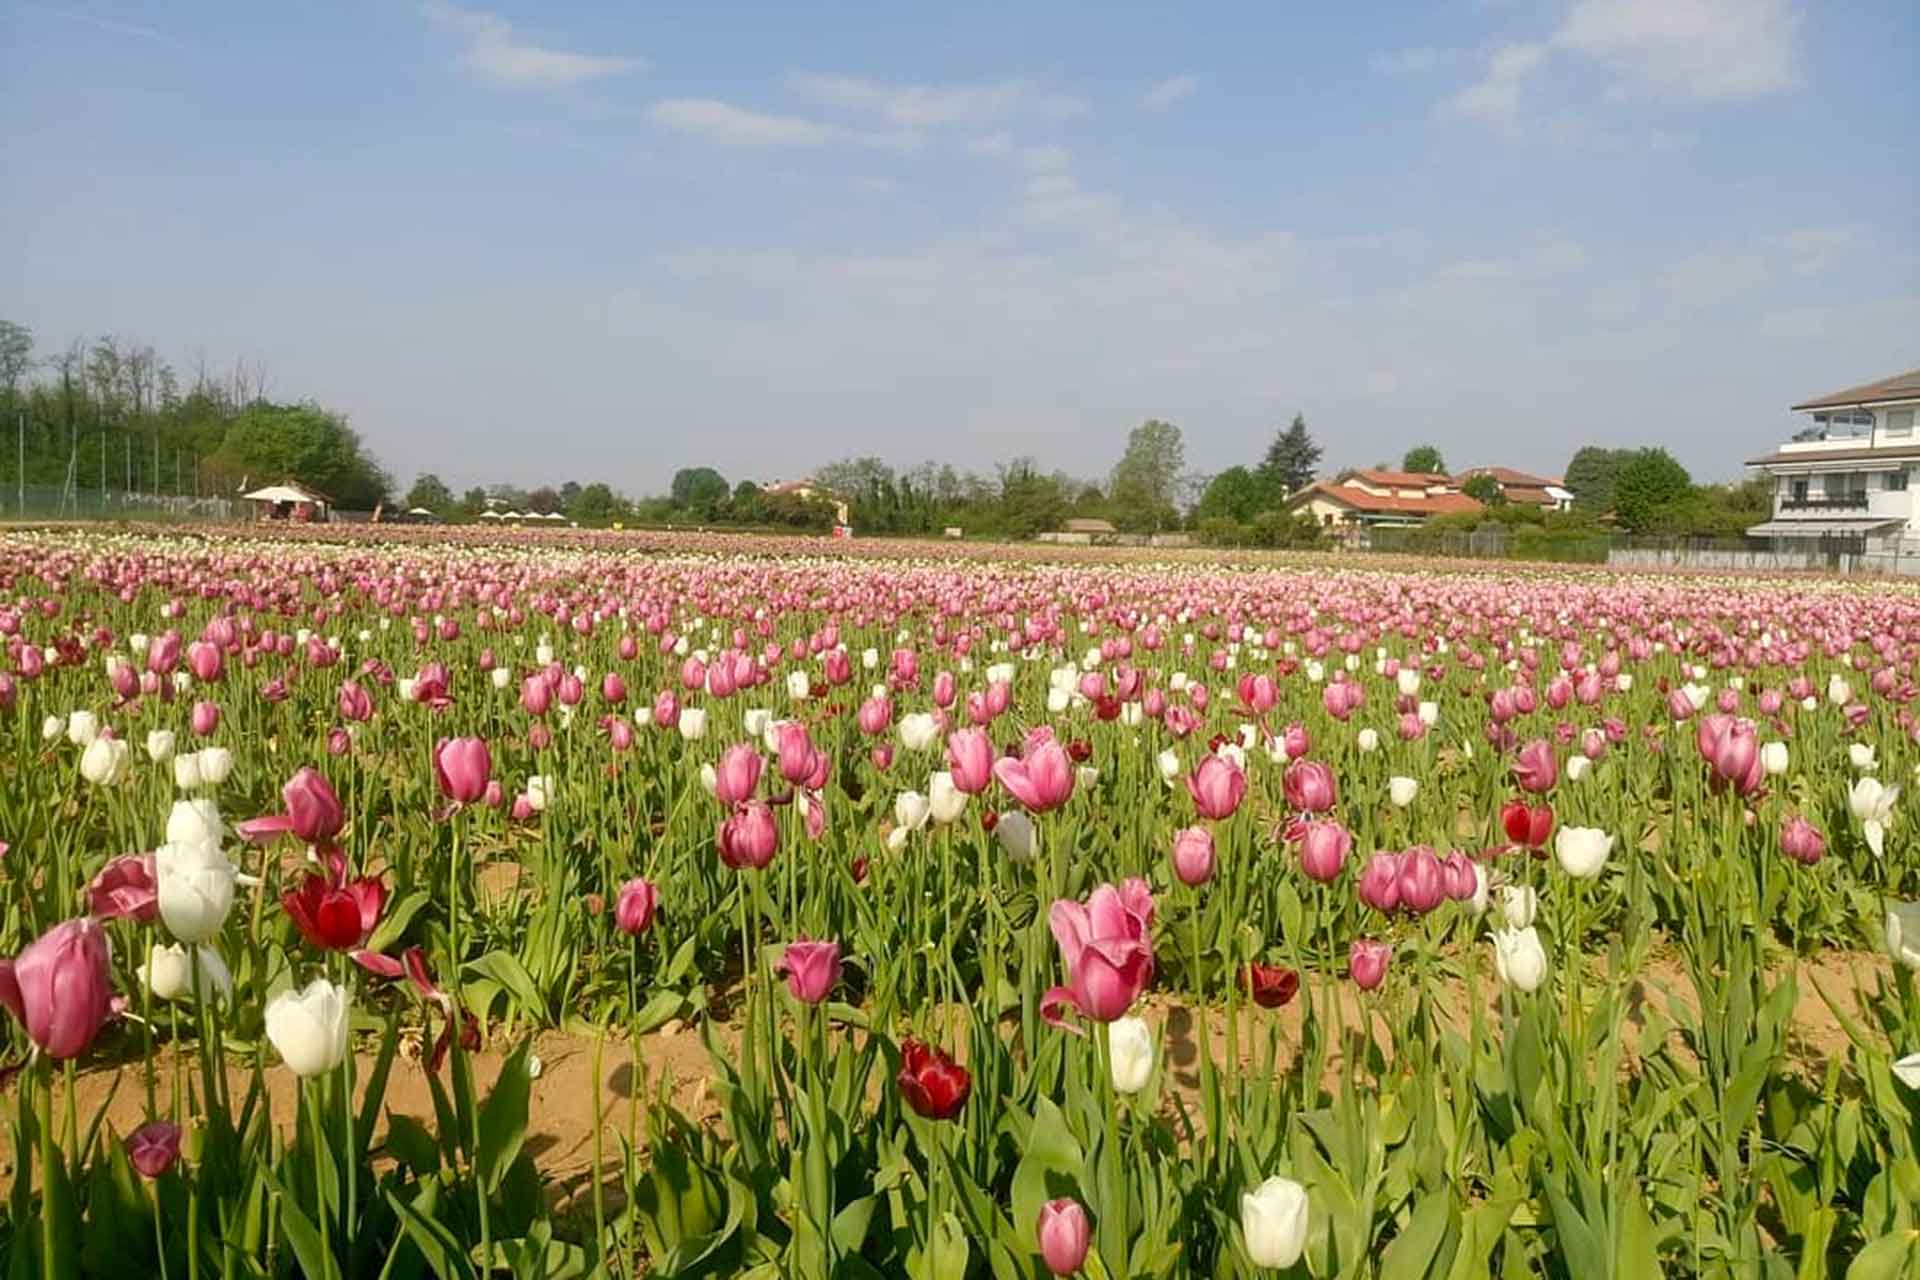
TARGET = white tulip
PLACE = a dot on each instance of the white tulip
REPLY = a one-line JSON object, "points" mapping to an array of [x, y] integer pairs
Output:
{"points": [[693, 724], [539, 792], [1774, 758], [897, 839], [104, 762], [501, 677], [1624, 682], [82, 728], [1519, 958], [137, 644], [1860, 755], [216, 763], [1058, 700], [52, 727], [1429, 713], [160, 745], [309, 1028], [1178, 682], [1316, 672], [1518, 902], [798, 686], [709, 779], [1579, 768], [1130, 1050], [1233, 753], [911, 810], [1000, 672], [1169, 765], [1401, 791], [1273, 1222], [168, 973], [186, 771], [1582, 851], [919, 731], [1697, 694], [1085, 776], [1132, 714], [1409, 681], [406, 687], [869, 659], [1482, 890], [945, 802], [1907, 1071], [1015, 833], [1903, 933], [543, 652], [1839, 692], [1872, 803], [1367, 740], [194, 884], [756, 721], [196, 822]]}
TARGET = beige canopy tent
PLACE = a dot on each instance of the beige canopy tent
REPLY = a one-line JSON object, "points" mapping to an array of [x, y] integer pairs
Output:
{"points": [[289, 501]]}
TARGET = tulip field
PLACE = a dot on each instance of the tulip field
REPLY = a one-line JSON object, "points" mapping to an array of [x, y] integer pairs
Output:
{"points": [[940, 917]]}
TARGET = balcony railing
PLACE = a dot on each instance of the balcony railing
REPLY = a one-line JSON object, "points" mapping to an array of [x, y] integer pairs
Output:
{"points": [[1840, 502]]}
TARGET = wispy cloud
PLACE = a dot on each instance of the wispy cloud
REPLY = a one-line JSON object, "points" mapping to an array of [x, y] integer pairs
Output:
{"points": [[113, 26], [497, 55], [1684, 51], [1168, 92], [727, 125]]}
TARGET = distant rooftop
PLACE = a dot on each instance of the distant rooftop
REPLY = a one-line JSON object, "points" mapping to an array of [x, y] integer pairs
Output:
{"points": [[1901, 386]]}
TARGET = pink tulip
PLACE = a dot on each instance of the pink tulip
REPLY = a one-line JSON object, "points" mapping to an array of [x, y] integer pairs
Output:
{"points": [[1367, 962], [693, 674], [812, 969], [339, 741], [634, 909], [944, 689], [1179, 720], [356, 705], [737, 774], [163, 653], [882, 756], [153, 1148], [536, 695], [313, 811], [1107, 946], [613, 688], [1461, 880], [1309, 786], [1323, 851], [1802, 841], [59, 987], [462, 768], [1536, 769], [970, 759], [1193, 856], [1423, 882], [1379, 885], [1063, 1235], [205, 661], [666, 709], [1217, 787], [125, 889], [1295, 741], [124, 679], [1042, 780], [874, 716], [748, 837], [1679, 706], [570, 690], [205, 719]]}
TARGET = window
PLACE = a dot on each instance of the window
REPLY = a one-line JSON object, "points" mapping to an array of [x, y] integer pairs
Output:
{"points": [[1899, 422], [1799, 490], [1897, 480]]}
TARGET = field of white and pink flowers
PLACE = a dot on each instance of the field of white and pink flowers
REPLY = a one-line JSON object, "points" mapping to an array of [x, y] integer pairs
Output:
{"points": [[595, 906]]}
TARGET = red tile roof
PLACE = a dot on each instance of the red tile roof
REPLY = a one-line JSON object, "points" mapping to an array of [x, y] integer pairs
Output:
{"points": [[1398, 479], [1505, 476], [1439, 504], [1901, 386]]}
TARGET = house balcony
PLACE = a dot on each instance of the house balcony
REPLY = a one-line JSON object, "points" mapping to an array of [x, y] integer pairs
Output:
{"points": [[1830, 503]]}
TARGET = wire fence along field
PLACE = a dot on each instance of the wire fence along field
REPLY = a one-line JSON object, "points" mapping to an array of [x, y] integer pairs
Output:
{"points": [[1831, 555], [54, 502]]}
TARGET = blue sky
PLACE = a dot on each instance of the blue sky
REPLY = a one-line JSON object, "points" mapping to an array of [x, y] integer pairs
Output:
{"points": [[596, 241]]}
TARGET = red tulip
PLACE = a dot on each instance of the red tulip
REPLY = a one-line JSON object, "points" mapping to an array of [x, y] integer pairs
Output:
{"points": [[1527, 825], [1270, 985], [932, 1083], [335, 915]]}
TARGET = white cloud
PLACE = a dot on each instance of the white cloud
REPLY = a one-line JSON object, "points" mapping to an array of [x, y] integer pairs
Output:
{"points": [[1661, 50], [912, 106], [1726, 273], [1168, 92], [726, 125], [495, 54]]}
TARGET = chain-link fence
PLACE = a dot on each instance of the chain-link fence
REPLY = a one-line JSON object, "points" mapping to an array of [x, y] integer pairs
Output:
{"points": [[51, 502], [1725, 554]]}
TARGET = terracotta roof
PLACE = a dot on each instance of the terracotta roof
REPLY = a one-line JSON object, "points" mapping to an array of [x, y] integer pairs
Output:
{"points": [[1505, 476], [1522, 494], [1901, 386], [1083, 525], [1900, 454], [1439, 504], [1397, 479]]}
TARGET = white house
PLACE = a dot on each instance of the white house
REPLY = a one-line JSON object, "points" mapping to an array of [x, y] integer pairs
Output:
{"points": [[1851, 475]]}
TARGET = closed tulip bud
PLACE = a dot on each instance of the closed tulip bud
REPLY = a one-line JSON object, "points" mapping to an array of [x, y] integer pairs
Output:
{"points": [[812, 969], [1903, 933], [1518, 902], [1423, 883], [1367, 740], [693, 724], [168, 973], [1193, 856], [205, 719], [1015, 832], [1802, 841], [52, 727], [1862, 757], [1774, 758], [1323, 851], [1273, 1222], [1367, 962], [1063, 1234], [309, 1028], [216, 765], [1130, 1051], [1217, 786], [1582, 851], [105, 761], [634, 909], [313, 810], [194, 886], [153, 1148], [83, 727], [748, 838], [945, 802], [911, 810], [1519, 958], [160, 745], [1401, 791], [461, 768], [1379, 885], [60, 987]]}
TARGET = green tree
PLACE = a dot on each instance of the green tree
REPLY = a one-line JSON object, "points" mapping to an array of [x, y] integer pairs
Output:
{"points": [[1591, 474], [16, 355], [596, 503], [544, 499], [698, 489], [1289, 463], [1485, 489], [1651, 482], [1235, 494], [274, 442], [1030, 502], [473, 501], [1146, 480], [431, 492], [1424, 459]]}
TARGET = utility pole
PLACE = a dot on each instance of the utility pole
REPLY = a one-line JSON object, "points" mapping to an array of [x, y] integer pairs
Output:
{"points": [[21, 439], [129, 464], [103, 470]]}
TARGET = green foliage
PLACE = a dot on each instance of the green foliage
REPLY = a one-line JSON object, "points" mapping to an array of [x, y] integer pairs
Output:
{"points": [[431, 492], [1484, 489], [274, 442], [1289, 462], [698, 489], [597, 503], [1234, 495], [1591, 474], [1146, 480], [1650, 482], [1424, 459]]}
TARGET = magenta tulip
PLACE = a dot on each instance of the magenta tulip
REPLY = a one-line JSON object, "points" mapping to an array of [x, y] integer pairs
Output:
{"points": [[1536, 769], [1802, 841], [634, 909], [970, 759], [1217, 786], [737, 774], [812, 969], [1367, 963], [1379, 885], [1309, 786], [1323, 851], [125, 889], [1063, 1235], [60, 988], [748, 837], [153, 1148], [1107, 947], [1042, 780], [462, 768], [1193, 856]]}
